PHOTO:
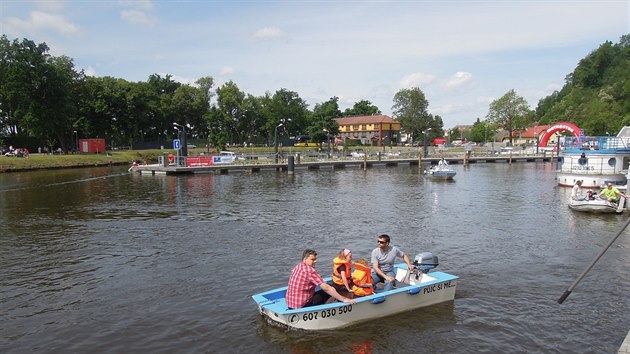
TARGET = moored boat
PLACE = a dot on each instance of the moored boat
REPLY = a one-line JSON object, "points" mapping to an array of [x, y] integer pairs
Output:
{"points": [[595, 160], [414, 289], [224, 157]]}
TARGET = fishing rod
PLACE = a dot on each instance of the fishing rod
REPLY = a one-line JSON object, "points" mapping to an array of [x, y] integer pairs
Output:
{"points": [[575, 283]]}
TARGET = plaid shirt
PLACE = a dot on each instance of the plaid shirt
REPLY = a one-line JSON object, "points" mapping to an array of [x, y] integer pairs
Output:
{"points": [[302, 283]]}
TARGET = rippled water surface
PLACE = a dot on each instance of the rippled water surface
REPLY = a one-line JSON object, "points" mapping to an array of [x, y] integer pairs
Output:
{"points": [[101, 261]]}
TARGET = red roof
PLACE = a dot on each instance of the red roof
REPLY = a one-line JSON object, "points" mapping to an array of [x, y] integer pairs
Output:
{"points": [[531, 132], [364, 120]]}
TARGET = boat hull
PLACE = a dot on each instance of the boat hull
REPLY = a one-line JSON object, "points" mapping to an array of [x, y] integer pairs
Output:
{"points": [[596, 206], [590, 181], [434, 288], [606, 162], [440, 174]]}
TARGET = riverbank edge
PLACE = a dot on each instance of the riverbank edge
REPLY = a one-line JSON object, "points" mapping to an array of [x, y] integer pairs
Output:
{"points": [[61, 167]]}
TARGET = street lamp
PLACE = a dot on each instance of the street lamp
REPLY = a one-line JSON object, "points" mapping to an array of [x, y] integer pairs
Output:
{"points": [[425, 141], [184, 139], [328, 141], [275, 143], [76, 141]]}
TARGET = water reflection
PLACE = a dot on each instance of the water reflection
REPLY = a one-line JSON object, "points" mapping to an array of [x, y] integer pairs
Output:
{"points": [[103, 261]]}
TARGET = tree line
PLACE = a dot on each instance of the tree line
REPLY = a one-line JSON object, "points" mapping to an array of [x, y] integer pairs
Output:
{"points": [[46, 101]]}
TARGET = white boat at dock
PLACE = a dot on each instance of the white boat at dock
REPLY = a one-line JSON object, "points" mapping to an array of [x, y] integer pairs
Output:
{"points": [[224, 157], [595, 160], [413, 290]]}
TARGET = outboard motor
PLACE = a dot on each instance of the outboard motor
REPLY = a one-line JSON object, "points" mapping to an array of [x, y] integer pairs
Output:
{"points": [[424, 262]]}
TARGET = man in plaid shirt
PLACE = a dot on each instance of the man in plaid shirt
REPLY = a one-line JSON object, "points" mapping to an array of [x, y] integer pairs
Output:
{"points": [[304, 278]]}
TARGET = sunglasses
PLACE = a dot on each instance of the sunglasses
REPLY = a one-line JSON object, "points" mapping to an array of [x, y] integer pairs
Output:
{"points": [[382, 242]]}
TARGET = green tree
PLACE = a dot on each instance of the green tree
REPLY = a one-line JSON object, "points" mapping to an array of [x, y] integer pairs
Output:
{"points": [[254, 118], [230, 106], [482, 131], [323, 124], [191, 104], [53, 107], [362, 108], [410, 109], [288, 108], [508, 112], [596, 95]]}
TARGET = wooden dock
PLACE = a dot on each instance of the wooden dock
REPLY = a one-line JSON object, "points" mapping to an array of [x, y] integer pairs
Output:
{"points": [[252, 167]]}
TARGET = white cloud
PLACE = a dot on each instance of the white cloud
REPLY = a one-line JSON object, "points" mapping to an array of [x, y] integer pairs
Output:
{"points": [[51, 5], [444, 109], [268, 32], [139, 12], [137, 4], [90, 71], [180, 79], [415, 80], [40, 21], [458, 79], [485, 99], [226, 70], [138, 17]]}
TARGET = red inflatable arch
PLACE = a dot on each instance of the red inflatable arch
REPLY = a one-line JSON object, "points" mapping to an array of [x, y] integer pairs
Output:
{"points": [[565, 126]]}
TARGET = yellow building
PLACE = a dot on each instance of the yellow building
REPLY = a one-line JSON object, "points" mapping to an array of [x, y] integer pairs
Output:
{"points": [[377, 130]]}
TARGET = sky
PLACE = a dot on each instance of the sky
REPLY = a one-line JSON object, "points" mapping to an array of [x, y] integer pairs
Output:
{"points": [[461, 54]]}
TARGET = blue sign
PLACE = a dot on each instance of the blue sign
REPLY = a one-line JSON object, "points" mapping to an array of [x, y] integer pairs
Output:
{"points": [[177, 144]]}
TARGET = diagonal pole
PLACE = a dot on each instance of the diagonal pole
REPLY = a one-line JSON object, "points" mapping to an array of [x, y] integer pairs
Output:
{"points": [[575, 283]]}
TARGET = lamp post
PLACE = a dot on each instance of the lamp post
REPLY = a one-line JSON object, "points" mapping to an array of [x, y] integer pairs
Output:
{"points": [[275, 143], [327, 141], [184, 138], [76, 141], [425, 141]]}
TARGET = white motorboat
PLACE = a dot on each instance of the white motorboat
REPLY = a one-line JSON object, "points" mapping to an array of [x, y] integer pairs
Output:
{"points": [[597, 205], [440, 172], [414, 289], [224, 157]]}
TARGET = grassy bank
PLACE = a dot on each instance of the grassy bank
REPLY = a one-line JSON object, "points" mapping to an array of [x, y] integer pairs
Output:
{"points": [[44, 161]]}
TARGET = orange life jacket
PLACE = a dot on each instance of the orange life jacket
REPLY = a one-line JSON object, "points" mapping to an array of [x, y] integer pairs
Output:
{"points": [[336, 276], [362, 276]]}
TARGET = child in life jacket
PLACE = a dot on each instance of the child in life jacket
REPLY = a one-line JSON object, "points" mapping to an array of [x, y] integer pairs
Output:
{"points": [[341, 275], [362, 278]]}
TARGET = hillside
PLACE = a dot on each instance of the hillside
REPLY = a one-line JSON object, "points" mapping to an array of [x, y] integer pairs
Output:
{"points": [[596, 95]]}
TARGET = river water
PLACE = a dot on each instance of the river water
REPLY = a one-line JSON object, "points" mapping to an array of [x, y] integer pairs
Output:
{"points": [[98, 260]]}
